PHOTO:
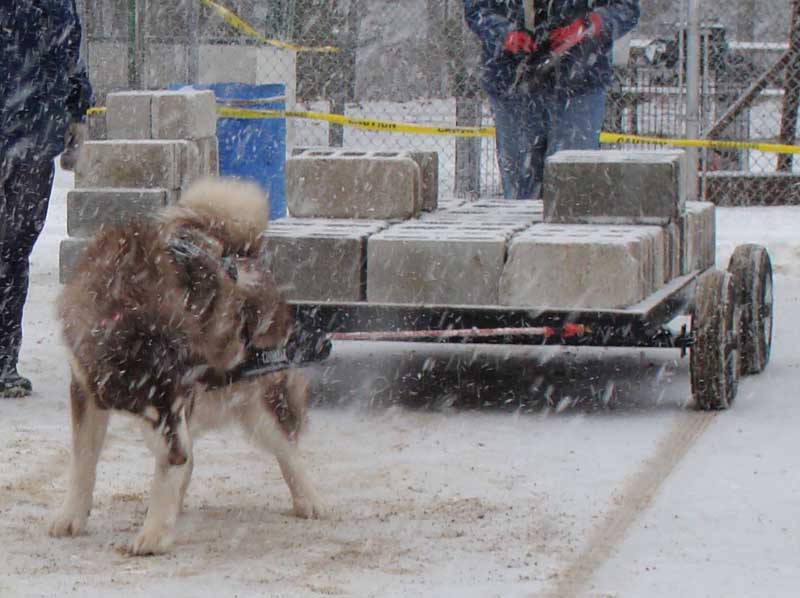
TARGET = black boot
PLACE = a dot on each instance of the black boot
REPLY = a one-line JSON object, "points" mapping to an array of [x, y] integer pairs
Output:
{"points": [[14, 386]]}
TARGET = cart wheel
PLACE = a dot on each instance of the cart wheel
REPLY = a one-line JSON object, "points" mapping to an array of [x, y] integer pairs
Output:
{"points": [[751, 269], [714, 360]]}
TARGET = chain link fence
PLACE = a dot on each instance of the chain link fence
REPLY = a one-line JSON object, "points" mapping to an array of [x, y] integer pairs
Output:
{"points": [[415, 61]]}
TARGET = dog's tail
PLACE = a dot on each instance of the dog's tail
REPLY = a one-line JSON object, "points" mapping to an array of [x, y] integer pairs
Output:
{"points": [[240, 208]]}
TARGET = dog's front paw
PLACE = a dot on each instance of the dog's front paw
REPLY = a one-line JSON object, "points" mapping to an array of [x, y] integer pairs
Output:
{"points": [[150, 542], [309, 508], [67, 523]]}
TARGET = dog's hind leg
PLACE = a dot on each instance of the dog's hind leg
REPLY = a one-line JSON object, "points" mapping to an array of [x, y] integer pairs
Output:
{"points": [[89, 424], [172, 472]]}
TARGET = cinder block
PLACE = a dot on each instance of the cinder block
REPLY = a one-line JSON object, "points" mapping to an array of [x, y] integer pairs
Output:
{"points": [[432, 264], [582, 266], [69, 252], [357, 185], [699, 235], [184, 114], [209, 155], [198, 159], [89, 209], [448, 203], [318, 260], [128, 115], [428, 163], [133, 164], [614, 187], [96, 122], [673, 252], [519, 214]]}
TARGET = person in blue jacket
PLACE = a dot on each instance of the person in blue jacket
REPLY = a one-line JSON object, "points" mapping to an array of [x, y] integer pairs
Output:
{"points": [[546, 67], [43, 90]]}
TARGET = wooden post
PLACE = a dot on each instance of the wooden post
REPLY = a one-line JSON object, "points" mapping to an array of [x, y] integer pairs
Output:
{"points": [[791, 94]]}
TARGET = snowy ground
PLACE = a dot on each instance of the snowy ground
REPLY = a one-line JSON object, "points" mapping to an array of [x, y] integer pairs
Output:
{"points": [[431, 497]]}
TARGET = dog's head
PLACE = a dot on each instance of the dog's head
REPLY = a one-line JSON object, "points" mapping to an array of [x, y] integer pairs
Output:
{"points": [[216, 231]]}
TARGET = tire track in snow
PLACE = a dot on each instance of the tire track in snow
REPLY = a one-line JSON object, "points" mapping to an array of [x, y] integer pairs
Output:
{"points": [[634, 497]]}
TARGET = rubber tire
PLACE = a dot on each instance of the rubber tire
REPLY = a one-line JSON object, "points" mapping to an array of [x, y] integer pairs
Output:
{"points": [[751, 269], [713, 358]]}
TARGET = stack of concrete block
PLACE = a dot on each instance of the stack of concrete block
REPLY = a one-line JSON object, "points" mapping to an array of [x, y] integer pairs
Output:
{"points": [[158, 143], [320, 259], [437, 263], [617, 228], [338, 183]]}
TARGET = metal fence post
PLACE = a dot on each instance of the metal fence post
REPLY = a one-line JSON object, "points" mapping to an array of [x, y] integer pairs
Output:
{"points": [[693, 92], [468, 149], [193, 43], [791, 92]]}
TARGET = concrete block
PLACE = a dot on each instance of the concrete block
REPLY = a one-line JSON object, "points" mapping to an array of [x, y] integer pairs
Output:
{"points": [[614, 187], [519, 214], [133, 164], [428, 163], [89, 209], [699, 236], [318, 260], [436, 264], [97, 126], [184, 114], [673, 251], [128, 115], [449, 202], [582, 266], [357, 185], [209, 155], [69, 252]]}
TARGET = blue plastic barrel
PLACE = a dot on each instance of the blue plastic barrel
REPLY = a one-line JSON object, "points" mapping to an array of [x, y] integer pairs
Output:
{"points": [[253, 149]]}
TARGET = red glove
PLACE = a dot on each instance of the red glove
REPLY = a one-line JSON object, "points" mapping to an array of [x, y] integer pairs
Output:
{"points": [[564, 38], [519, 41]]}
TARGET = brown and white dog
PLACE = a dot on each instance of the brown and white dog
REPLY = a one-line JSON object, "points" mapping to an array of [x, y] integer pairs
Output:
{"points": [[158, 315]]}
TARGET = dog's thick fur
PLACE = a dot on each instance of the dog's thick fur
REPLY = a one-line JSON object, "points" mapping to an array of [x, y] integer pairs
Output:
{"points": [[148, 328]]}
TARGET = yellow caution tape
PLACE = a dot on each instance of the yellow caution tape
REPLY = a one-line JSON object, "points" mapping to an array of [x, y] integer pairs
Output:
{"points": [[240, 25], [396, 127], [774, 148], [360, 123]]}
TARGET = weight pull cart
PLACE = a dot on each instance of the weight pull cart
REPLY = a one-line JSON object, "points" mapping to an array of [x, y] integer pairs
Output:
{"points": [[730, 334]]}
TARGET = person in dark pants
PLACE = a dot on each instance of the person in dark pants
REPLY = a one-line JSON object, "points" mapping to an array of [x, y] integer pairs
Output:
{"points": [[546, 67], [43, 90]]}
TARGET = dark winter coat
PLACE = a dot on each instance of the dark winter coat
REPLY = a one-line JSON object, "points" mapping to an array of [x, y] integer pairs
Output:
{"points": [[586, 67], [42, 85]]}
